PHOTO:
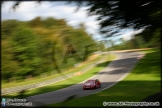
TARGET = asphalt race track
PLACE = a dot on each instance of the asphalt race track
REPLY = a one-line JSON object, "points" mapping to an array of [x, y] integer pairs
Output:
{"points": [[109, 76]]}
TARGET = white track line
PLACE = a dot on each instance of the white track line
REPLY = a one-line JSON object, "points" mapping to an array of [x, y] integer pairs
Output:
{"points": [[79, 82], [124, 76]]}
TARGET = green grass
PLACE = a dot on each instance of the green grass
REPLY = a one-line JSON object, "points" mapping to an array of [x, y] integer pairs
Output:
{"points": [[38, 79], [64, 83], [142, 82]]}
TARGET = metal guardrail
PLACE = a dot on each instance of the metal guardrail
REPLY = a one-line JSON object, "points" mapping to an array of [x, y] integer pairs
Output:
{"points": [[44, 83], [35, 85]]}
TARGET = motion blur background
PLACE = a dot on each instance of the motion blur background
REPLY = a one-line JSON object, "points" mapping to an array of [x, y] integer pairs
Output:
{"points": [[31, 31]]}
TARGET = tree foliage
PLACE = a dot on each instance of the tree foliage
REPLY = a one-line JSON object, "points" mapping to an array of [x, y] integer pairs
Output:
{"points": [[28, 48], [115, 15], [27, 45]]}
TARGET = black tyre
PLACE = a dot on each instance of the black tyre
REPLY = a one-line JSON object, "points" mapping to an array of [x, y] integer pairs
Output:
{"points": [[95, 87], [100, 86]]}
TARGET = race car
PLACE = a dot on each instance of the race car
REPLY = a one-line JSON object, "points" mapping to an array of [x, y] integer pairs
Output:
{"points": [[92, 84]]}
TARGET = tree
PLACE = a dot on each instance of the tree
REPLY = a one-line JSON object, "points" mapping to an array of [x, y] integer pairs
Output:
{"points": [[122, 40], [49, 22], [115, 15], [36, 22], [156, 39], [8, 27], [140, 41], [26, 51], [9, 66]]}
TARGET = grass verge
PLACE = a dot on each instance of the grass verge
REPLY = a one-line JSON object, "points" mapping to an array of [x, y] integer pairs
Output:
{"points": [[54, 75], [142, 82], [64, 83]]}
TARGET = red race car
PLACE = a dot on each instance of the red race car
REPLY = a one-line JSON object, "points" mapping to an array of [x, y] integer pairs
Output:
{"points": [[92, 84]]}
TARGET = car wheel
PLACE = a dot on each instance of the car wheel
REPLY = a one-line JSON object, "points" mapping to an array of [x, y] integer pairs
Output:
{"points": [[100, 86], [95, 87]]}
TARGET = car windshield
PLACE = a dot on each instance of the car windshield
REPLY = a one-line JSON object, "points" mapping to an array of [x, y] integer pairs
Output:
{"points": [[90, 82]]}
